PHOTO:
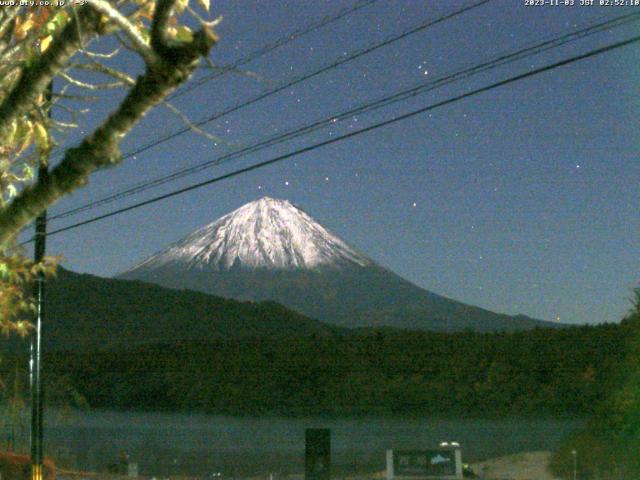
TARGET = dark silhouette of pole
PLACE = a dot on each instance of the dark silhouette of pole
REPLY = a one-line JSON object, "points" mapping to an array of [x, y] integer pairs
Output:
{"points": [[36, 339], [36, 345]]}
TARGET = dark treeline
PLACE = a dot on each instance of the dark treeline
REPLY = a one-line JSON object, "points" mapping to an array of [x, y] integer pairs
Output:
{"points": [[551, 372], [607, 447]]}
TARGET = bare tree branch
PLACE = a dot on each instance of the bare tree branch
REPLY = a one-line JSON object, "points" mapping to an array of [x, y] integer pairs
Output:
{"points": [[35, 78], [60, 126], [159, 25], [192, 126], [100, 149], [213, 23], [140, 45], [7, 23], [101, 55], [98, 67], [78, 98], [91, 86]]}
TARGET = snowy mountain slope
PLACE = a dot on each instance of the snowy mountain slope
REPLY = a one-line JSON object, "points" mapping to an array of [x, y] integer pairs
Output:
{"points": [[271, 250], [265, 234]]}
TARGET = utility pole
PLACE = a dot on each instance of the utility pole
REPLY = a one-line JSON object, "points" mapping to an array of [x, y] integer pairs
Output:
{"points": [[36, 339]]}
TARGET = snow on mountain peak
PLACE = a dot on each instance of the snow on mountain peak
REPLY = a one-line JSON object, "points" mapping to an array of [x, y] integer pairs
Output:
{"points": [[264, 234]]}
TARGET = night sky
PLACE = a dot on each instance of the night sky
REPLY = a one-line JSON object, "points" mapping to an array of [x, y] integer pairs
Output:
{"points": [[519, 200]]}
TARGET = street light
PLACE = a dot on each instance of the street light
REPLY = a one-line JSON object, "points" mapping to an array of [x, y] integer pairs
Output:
{"points": [[575, 463]]}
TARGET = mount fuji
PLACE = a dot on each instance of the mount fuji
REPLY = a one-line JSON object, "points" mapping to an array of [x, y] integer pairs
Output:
{"points": [[270, 249], [267, 234]]}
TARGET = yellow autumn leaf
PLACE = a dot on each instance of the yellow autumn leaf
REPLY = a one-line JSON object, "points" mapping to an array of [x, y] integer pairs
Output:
{"points": [[22, 27], [204, 4], [57, 22], [45, 42], [184, 34], [147, 11], [25, 135], [181, 5], [41, 137]]}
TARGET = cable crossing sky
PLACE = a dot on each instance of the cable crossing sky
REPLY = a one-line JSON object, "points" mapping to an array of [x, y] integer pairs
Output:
{"points": [[492, 63], [332, 65], [395, 119]]}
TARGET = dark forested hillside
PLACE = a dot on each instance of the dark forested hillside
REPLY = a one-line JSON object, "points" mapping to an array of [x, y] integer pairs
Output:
{"points": [[609, 443], [350, 297], [85, 312], [555, 372], [124, 344]]}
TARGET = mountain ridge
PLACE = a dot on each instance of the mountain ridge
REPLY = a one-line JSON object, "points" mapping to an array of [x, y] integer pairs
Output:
{"points": [[90, 313], [269, 249]]}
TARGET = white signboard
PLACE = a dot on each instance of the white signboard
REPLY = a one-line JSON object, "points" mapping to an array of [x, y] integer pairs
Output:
{"points": [[435, 464]]}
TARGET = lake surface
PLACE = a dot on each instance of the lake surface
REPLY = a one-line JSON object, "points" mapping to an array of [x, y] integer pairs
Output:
{"points": [[166, 443]]}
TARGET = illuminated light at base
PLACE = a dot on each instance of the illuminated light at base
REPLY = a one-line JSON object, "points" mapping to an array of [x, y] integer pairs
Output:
{"points": [[36, 472]]}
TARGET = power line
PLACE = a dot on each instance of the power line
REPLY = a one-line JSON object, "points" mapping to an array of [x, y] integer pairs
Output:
{"points": [[336, 63], [370, 128], [339, 61], [494, 62], [284, 40], [296, 34]]}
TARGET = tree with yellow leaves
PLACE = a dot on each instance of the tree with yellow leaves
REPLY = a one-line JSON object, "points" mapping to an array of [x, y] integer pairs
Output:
{"points": [[41, 44]]}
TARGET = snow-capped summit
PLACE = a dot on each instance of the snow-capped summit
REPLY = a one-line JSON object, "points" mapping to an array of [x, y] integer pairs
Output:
{"points": [[271, 250], [267, 234]]}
